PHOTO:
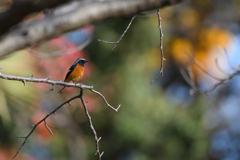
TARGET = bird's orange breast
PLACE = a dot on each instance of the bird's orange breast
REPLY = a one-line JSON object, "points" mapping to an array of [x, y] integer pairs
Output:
{"points": [[76, 74]]}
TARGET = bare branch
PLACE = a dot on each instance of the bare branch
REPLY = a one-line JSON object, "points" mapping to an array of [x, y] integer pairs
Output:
{"points": [[101, 154], [195, 89], [48, 127], [116, 43], [91, 125], [34, 126], [219, 68], [47, 80], [201, 68], [44, 80], [191, 75], [115, 109], [189, 81], [229, 62], [161, 45], [19, 9], [35, 31]]}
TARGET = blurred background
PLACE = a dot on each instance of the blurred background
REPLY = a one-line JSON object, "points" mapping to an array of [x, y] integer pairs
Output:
{"points": [[161, 121]]}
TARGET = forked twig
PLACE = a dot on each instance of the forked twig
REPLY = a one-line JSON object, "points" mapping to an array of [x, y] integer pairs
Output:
{"points": [[201, 68], [115, 109], [195, 89], [190, 79], [116, 43], [44, 119], [91, 125]]}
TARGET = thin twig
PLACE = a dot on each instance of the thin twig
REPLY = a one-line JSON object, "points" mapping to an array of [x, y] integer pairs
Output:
{"points": [[191, 75], [34, 126], [116, 43], [91, 125], [195, 89], [228, 59], [115, 109], [201, 68], [189, 81], [48, 127], [24, 82], [219, 68], [53, 87], [161, 46]]}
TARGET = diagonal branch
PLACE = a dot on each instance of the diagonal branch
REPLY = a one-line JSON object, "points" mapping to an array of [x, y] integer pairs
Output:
{"points": [[20, 9], [199, 91], [219, 68], [201, 68], [35, 31], [44, 119], [228, 60], [196, 90], [48, 127]]}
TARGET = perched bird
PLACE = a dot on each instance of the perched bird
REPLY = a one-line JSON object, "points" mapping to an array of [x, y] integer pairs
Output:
{"points": [[75, 72]]}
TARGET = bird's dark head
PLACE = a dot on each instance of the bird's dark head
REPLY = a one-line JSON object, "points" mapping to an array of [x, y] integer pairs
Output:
{"points": [[81, 61]]}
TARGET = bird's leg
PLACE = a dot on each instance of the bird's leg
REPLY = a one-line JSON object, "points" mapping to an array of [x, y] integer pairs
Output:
{"points": [[75, 82]]}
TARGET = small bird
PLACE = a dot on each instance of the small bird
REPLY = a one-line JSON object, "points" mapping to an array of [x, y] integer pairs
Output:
{"points": [[75, 72]]}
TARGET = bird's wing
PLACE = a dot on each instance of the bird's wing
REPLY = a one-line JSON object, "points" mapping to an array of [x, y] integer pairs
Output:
{"points": [[70, 70]]}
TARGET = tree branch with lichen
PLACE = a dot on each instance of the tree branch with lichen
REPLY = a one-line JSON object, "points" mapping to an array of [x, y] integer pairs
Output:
{"points": [[75, 16]]}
